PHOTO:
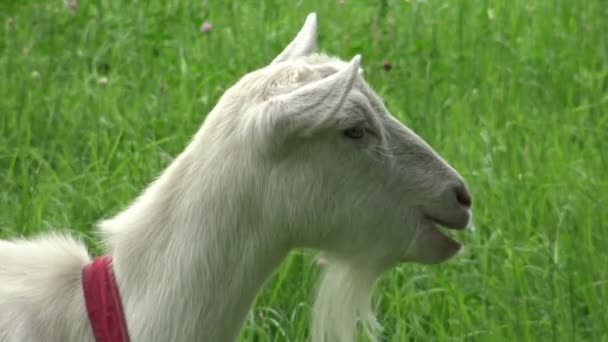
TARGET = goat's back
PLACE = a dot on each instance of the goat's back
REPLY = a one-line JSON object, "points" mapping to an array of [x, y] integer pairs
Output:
{"points": [[40, 290]]}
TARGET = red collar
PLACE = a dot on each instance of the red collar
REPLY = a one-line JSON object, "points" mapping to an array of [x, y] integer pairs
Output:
{"points": [[102, 300]]}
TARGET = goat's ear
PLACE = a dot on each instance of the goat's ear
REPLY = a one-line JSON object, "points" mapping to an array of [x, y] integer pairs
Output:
{"points": [[311, 107], [304, 43]]}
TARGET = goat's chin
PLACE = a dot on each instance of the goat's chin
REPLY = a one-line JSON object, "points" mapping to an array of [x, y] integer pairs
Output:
{"points": [[430, 245], [343, 301]]}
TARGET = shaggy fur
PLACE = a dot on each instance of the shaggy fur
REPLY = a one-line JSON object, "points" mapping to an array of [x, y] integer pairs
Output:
{"points": [[270, 170]]}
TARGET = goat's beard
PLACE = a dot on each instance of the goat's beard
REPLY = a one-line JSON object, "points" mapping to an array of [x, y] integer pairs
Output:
{"points": [[344, 301]]}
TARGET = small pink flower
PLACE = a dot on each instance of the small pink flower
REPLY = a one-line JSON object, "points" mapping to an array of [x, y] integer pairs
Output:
{"points": [[73, 4], [206, 27]]}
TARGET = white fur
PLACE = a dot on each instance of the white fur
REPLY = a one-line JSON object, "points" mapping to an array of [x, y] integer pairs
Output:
{"points": [[269, 171]]}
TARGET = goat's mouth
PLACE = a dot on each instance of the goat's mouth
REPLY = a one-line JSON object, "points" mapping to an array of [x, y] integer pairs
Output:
{"points": [[441, 226], [432, 244], [460, 224]]}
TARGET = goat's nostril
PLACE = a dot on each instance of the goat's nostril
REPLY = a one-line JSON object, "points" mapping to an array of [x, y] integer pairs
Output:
{"points": [[463, 197]]}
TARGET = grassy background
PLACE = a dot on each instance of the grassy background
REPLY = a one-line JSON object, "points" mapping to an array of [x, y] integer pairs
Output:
{"points": [[95, 101]]}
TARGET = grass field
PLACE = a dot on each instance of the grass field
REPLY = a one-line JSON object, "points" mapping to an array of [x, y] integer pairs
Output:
{"points": [[95, 101]]}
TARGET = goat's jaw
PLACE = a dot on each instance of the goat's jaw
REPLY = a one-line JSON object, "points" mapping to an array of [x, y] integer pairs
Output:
{"points": [[431, 246]]}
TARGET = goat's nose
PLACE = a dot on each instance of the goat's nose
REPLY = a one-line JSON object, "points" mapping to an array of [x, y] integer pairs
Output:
{"points": [[463, 196]]}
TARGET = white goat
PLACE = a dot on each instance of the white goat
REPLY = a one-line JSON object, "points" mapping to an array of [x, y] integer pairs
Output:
{"points": [[300, 153]]}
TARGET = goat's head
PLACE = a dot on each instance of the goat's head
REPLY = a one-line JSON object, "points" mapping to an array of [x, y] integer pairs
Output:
{"points": [[343, 174], [340, 174]]}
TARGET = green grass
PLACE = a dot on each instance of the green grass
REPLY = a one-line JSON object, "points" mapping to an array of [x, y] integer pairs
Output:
{"points": [[513, 93]]}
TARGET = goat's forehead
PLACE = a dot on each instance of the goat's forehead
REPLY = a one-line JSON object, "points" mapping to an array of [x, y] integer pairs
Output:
{"points": [[313, 66], [300, 71], [317, 66], [322, 59], [286, 76]]}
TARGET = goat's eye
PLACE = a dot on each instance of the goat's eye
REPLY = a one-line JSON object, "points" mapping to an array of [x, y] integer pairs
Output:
{"points": [[355, 133]]}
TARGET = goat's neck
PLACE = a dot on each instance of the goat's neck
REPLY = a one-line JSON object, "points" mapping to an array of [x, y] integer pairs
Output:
{"points": [[190, 257]]}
